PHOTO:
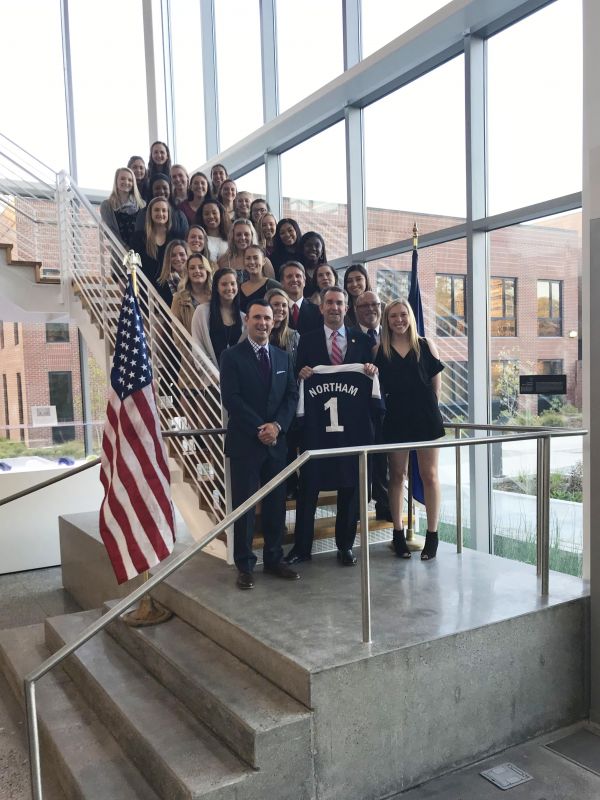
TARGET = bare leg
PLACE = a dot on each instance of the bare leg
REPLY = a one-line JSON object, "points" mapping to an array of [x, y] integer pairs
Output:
{"points": [[428, 469], [398, 462]]}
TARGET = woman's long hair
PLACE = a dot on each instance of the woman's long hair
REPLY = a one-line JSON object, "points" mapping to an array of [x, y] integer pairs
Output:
{"points": [[223, 224], [162, 168], [190, 195], [280, 337], [280, 252], [386, 335], [351, 299], [166, 265], [232, 250], [204, 250], [149, 228], [185, 281], [215, 299], [113, 198]]}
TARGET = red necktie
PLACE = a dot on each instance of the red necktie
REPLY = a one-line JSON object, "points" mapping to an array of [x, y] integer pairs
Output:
{"points": [[295, 314], [336, 353]]}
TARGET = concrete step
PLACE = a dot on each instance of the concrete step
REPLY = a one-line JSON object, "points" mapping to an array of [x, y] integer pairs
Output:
{"points": [[180, 757], [183, 593], [262, 724], [86, 760]]}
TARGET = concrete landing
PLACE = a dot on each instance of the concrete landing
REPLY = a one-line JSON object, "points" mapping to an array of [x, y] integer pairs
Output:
{"points": [[466, 660]]}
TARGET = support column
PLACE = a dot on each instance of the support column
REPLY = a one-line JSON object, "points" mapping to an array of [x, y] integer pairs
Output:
{"points": [[154, 72], [268, 50], [355, 186], [209, 70], [68, 80], [86, 403], [273, 183], [477, 288], [591, 333], [169, 93]]}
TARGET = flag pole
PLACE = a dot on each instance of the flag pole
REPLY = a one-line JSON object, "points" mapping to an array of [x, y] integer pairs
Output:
{"points": [[410, 520], [149, 611]]}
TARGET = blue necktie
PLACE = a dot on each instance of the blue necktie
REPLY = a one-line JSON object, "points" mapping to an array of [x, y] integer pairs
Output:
{"points": [[264, 365], [372, 336]]}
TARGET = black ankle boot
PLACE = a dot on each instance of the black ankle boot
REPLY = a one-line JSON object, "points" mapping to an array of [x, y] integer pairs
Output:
{"points": [[431, 546], [400, 546]]}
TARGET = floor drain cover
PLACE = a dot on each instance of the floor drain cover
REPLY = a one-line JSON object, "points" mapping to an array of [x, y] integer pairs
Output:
{"points": [[505, 776]]}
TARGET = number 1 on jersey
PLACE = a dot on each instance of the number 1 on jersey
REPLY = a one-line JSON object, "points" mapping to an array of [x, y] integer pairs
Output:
{"points": [[332, 406]]}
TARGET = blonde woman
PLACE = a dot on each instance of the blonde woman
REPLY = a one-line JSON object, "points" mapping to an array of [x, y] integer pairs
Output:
{"points": [[267, 227], [282, 335], [256, 284], [120, 209], [152, 242], [195, 289], [410, 374], [173, 264], [241, 235]]}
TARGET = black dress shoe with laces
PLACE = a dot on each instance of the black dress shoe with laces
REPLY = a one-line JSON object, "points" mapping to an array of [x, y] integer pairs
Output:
{"points": [[294, 558], [281, 570], [245, 580], [346, 558]]}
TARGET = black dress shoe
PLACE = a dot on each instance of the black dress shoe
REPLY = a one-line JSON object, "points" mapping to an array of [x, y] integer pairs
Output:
{"points": [[294, 558], [245, 581], [281, 570], [346, 558]]}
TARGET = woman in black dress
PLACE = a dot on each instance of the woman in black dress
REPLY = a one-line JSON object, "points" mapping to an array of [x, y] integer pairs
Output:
{"points": [[409, 370]]}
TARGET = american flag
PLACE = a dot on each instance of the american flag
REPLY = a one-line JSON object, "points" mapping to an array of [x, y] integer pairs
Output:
{"points": [[137, 523]]}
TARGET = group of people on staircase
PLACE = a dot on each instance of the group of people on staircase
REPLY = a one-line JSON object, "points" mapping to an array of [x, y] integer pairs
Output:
{"points": [[274, 324]]}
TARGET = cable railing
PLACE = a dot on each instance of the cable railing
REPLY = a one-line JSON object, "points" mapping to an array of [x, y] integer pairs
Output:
{"points": [[47, 219], [542, 436]]}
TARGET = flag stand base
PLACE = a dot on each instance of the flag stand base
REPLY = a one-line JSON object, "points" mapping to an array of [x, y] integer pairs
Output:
{"points": [[149, 612]]}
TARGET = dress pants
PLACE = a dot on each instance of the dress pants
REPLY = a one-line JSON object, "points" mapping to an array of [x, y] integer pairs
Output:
{"points": [[345, 522], [247, 475]]}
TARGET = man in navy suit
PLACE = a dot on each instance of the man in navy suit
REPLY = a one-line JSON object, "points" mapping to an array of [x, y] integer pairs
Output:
{"points": [[259, 391], [332, 343], [304, 315]]}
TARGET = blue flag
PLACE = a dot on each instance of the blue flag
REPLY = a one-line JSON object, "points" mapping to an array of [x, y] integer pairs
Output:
{"points": [[414, 298]]}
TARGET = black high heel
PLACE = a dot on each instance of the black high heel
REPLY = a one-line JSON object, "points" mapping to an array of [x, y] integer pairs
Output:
{"points": [[431, 545], [399, 543]]}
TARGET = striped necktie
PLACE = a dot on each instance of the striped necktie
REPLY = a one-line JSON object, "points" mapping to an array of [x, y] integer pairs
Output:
{"points": [[336, 352], [295, 314]]}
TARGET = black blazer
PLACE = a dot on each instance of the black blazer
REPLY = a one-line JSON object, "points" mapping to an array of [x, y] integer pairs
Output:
{"points": [[312, 349], [250, 402], [309, 318]]}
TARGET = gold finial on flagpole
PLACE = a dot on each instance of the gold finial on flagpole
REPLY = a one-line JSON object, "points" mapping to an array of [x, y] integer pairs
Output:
{"points": [[132, 262], [415, 236]]}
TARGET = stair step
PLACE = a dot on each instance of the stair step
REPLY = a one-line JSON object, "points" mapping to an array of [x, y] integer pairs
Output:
{"points": [[181, 758], [258, 721], [324, 529], [87, 761], [183, 593]]}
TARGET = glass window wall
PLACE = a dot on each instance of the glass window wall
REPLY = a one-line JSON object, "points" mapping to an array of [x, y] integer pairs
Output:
{"points": [[544, 258], [384, 20], [534, 115], [239, 72], [188, 89], [109, 88], [313, 180], [309, 47], [415, 157]]}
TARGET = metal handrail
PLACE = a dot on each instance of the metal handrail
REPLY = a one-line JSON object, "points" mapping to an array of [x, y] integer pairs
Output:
{"points": [[56, 479], [363, 454], [95, 461]]}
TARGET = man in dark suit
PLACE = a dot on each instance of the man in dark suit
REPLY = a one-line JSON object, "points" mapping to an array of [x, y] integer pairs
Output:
{"points": [[368, 308], [304, 315], [259, 391], [332, 343]]}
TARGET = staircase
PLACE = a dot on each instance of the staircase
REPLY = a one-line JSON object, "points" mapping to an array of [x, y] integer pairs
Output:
{"points": [[162, 712]]}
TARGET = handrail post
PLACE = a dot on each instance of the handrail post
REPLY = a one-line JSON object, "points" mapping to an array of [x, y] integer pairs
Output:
{"points": [[543, 512], [410, 521], [35, 766], [459, 528], [365, 575]]}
